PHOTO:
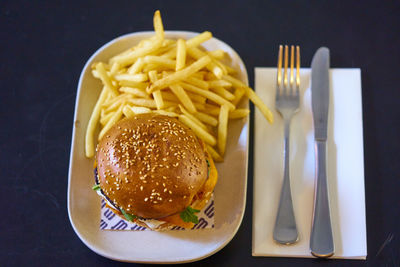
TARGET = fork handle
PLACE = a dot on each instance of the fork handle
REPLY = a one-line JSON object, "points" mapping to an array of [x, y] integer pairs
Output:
{"points": [[285, 230], [321, 241]]}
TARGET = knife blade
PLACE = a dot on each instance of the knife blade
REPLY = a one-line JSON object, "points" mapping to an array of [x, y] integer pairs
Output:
{"points": [[320, 92], [321, 240]]}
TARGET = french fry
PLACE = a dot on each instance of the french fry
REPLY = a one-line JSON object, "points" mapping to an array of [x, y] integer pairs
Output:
{"points": [[95, 74], [193, 42], [230, 70], [239, 113], [130, 112], [199, 106], [94, 118], [222, 128], [104, 119], [157, 94], [171, 108], [114, 69], [134, 91], [253, 97], [115, 118], [197, 53], [258, 102], [214, 154], [101, 71], [206, 118], [217, 54], [192, 118], [169, 96], [199, 39], [158, 25], [183, 97], [131, 56], [155, 66], [143, 102], [136, 67], [180, 54], [140, 77], [166, 113], [199, 75], [239, 93], [133, 84], [179, 75], [160, 61], [220, 83], [166, 47], [221, 66], [158, 99], [223, 92], [114, 103], [112, 100], [210, 95], [197, 82], [211, 110], [200, 132], [197, 98]]}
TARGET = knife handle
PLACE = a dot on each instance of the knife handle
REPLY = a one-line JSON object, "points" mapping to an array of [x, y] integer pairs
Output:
{"points": [[321, 241]]}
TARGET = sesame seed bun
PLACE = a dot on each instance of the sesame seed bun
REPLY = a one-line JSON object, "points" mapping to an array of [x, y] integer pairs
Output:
{"points": [[152, 166]]}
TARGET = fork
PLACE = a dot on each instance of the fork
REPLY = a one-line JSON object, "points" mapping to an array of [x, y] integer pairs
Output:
{"points": [[287, 104]]}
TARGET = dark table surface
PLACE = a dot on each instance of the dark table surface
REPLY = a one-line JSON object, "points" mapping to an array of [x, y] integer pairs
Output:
{"points": [[43, 47]]}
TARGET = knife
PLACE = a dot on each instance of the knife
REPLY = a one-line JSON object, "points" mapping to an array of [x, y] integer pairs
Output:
{"points": [[321, 241]]}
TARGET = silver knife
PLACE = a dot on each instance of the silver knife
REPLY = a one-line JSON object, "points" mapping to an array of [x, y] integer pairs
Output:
{"points": [[321, 241]]}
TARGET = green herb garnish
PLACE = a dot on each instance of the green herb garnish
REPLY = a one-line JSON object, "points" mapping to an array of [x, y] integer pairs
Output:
{"points": [[188, 215], [96, 187], [129, 217]]}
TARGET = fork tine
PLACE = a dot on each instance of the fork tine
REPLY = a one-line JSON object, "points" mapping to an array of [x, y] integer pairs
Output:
{"points": [[285, 76], [291, 69], [279, 78]]}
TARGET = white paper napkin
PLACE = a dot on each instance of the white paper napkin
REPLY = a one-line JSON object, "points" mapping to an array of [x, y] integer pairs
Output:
{"points": [[345, 167]]}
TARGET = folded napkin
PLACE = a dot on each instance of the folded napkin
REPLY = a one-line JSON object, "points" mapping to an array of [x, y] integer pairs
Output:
{"points": [[345, 167]]}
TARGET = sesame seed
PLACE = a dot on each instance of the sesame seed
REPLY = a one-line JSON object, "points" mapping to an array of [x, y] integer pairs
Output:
{"points": [[145, 200]]}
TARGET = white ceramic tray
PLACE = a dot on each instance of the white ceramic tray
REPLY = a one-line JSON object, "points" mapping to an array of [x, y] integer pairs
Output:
{"points": [[149, 246]]}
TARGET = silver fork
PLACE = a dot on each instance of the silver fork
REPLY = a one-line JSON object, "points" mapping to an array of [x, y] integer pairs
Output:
{"points": [[287, 104]]}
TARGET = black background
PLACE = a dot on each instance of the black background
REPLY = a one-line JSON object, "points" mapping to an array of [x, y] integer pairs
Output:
{"points": [[45, 44]]}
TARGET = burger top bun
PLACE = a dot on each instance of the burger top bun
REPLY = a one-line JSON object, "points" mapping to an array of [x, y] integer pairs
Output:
{"points": [[151, 165]]}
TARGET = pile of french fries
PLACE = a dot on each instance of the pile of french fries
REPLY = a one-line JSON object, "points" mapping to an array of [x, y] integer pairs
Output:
{"points": [[175, 78]]}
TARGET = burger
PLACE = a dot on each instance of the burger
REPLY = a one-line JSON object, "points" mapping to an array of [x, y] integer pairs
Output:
{"points": [[153, 170]]}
